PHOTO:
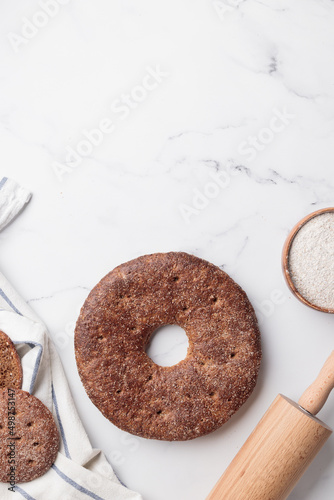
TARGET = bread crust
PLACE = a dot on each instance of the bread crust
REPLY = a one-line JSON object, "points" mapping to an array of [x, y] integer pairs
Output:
{"points": [[10, 363], [198, 394], [29, 438]]}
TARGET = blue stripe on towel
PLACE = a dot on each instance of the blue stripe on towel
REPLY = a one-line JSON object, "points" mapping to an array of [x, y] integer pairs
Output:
{"points": [[36, 367], [62, 432], [24, 493], [3, 181], [32, 345], [39, 355], [74, 484], [9, 302]]}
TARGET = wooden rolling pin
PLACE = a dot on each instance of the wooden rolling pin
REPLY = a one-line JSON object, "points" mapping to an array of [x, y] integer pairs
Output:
{"points": [[281, 447]]}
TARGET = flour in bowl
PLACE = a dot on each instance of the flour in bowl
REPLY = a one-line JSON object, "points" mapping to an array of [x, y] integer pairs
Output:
{"points": [[311, 260]]}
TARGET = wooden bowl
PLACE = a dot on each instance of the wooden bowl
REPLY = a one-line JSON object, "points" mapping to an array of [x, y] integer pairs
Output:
{"points": [[285, 259]]}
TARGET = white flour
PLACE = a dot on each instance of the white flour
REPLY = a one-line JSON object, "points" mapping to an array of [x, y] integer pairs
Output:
{"points": [[311, 261]]}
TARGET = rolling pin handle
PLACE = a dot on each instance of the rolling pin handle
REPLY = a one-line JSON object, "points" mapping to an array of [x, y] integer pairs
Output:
{"points": [[316, 395]]}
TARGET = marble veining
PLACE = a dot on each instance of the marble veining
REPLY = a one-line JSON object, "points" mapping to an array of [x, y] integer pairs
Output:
{"points": [[202, 126]]}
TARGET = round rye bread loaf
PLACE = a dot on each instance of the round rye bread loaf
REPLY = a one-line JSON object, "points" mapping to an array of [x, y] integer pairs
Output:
{"points": [[10, 363], [198, 394], [29, 438]]}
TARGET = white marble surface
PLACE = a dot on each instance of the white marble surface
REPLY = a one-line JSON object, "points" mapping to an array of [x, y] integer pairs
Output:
{"points": [[244, 90]]}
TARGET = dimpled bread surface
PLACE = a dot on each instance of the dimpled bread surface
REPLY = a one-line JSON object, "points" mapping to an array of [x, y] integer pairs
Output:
{"points": [[28, 435], [198, 394], [10, 363]]}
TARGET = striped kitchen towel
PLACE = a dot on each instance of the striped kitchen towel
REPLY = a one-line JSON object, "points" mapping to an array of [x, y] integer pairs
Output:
{"points": [[79, 472]]}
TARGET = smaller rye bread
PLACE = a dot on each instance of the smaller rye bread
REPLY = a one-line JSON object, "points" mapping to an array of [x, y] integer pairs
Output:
{"points": [[10, 364], [28, 435], [198, 394]]}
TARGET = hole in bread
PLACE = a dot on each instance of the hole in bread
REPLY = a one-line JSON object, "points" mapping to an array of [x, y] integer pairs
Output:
{"points": [[119, 391], [159, 412], [214, 299], [176, 278], [100, 337], [36, 443], [232, 354], [150, 377], [29, 424], [31, 462], [211, 394], [168, 345], [184, 308]]}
